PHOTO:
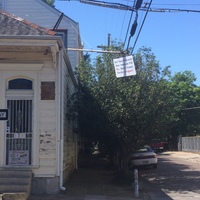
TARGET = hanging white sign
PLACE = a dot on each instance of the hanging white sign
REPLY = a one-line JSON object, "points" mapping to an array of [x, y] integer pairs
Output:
{"points": [[124, 66]]}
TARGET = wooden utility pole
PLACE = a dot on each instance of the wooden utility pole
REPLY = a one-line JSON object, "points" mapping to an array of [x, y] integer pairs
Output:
{"points": [[106, 47]]}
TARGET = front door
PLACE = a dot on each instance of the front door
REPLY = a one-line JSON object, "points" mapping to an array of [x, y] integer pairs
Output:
{"points": [[19, 131]]}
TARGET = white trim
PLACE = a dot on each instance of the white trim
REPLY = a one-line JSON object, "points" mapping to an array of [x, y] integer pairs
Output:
{"points": [[20, 93], [35, 151], [19, 167], [60, 120], [21, 66], [5, 76], [58, 117], [22, 97]]}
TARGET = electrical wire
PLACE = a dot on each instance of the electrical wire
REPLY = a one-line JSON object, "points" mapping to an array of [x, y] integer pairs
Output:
{"points": [[122, 27], [141, 26], [129, 25], [169, 10], [133, 29], [131, 8], [121, 6]]}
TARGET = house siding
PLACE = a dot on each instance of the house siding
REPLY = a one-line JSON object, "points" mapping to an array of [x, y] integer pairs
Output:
{"points": [[41, 59], [45, 110], [69, 151]]}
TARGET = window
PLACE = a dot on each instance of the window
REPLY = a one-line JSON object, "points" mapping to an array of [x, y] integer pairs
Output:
{"points": [[63, 34], [20, 84]]}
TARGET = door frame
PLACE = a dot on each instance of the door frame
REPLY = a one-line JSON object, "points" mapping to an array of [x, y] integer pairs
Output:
{"points": [[19, 138]]}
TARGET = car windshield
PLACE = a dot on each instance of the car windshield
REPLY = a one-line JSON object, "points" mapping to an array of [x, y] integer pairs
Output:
{"points": [[144, 150]]}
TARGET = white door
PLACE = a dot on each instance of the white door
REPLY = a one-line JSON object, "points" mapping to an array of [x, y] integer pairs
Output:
{"points": [[19, 127], [19, 132]]}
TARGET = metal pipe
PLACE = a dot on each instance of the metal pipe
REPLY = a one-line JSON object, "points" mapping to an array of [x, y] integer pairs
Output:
{"points": [[62, 188]]}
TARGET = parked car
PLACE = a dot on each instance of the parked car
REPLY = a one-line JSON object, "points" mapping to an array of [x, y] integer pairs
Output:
{"points": [[159, 146], [144, 157]]}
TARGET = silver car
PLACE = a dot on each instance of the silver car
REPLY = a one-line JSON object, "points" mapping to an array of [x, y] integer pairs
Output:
{"points": [[144, 156]]}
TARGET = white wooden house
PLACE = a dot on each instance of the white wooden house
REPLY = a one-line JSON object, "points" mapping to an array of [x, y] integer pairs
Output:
{"points": [[36, 80], [40, 13]]}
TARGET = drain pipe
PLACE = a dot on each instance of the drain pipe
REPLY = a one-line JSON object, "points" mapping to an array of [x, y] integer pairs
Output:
{"points": [[62, 188]]}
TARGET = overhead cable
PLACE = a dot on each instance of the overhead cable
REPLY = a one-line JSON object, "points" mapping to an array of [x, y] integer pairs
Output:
{"points": [[141, 26], [120, 6], [138, 5], [128, 27]]}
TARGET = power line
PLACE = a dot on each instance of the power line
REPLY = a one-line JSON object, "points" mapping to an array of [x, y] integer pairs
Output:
{"points": [[170, 10], [147, 8], [121, 6], [141, 26], [137, 5], [128, 26]]}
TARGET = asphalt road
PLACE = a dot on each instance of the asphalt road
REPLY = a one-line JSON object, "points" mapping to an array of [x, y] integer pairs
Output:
{"points": [[177, 177]]}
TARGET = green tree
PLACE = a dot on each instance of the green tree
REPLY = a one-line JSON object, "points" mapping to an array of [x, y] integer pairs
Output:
{"points": [[49, 2], [125, 113], [185, 97], [128, 118]]}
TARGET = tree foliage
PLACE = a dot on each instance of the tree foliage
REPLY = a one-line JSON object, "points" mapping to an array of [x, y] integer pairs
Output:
{"points": [[185, 100], [125, 113], [49, 2]]}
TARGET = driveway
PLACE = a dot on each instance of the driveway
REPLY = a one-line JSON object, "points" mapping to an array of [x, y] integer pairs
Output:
{"points": [[177, 177]]}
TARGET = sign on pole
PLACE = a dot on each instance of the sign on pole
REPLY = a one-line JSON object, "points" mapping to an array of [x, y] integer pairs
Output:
{"points": [[124, 66], [3, 114]]}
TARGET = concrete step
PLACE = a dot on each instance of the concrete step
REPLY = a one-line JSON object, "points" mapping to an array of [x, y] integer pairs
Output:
{"points": [[14, 196], [15, 173], [15, 184], [7, 188], [14, 180]]}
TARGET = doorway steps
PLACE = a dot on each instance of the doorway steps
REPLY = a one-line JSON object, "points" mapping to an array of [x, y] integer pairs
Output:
{"points": [[15, 184]]}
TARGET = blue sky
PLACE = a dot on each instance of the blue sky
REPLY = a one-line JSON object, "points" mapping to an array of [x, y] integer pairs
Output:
{"points": [[174, 37]]}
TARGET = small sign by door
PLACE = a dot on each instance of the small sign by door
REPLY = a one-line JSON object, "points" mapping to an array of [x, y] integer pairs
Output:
{"points": [[18, 157], [3, 114]]}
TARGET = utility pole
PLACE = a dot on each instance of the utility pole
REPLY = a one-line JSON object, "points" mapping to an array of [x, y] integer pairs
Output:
{"points": [[106, 47]]}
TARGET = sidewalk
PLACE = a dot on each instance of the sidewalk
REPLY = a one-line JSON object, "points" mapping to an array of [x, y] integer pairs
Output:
{"points": [[95, 180], [82, 197]]}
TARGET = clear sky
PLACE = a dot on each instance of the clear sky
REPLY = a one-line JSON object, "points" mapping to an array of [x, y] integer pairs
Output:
{"points": [[174, 37]]}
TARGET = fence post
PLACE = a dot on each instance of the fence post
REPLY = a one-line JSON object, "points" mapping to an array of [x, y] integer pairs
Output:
{"points": [[136, 182], [179, 143]]}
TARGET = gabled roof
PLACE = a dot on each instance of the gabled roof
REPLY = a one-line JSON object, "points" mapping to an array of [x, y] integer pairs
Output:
{"points": [[13, 25], [55, 10]]}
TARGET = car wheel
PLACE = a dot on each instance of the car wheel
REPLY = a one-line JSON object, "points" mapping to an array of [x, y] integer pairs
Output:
{"points": [[154, 166]]}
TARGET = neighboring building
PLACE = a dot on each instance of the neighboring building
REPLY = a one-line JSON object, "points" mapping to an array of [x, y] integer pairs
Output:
{"points": [[40, 13], [36, 81]]}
